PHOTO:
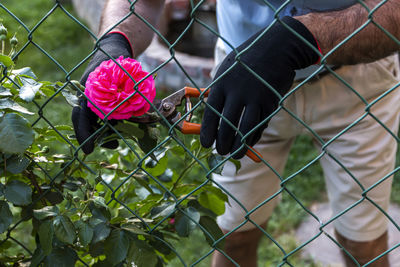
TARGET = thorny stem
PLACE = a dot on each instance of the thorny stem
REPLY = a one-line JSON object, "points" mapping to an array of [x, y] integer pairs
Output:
{"points": [[11, 51], [88, 201], [36, 185], [71, 171], [183, 173], [187, 168], [84, 210]]}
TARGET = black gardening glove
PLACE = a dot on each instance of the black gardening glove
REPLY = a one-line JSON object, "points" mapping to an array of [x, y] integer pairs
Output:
{"points": [[85, 121], [241, 96]]}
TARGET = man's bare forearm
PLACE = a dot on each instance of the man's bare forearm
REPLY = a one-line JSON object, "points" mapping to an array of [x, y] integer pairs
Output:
{"points": [[135, 29], [371, 43]]}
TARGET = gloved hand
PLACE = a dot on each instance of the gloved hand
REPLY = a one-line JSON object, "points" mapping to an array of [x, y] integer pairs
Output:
{"points": [[242, 98], [85, 121]]}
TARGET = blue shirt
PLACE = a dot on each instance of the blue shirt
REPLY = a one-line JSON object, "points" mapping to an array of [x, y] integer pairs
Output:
{"points": [[240, 19]]}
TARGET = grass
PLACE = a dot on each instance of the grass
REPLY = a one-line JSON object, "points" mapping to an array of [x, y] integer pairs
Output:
{"points": [[65, 42], [68, 44], [53, 45]]}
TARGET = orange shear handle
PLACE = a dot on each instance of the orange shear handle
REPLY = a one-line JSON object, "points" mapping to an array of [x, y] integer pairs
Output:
{"points": [[194, 92], [194, 128]]}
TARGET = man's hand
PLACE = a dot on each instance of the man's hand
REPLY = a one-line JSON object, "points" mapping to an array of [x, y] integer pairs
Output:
{"points": [[85, 121], [242, 98]]}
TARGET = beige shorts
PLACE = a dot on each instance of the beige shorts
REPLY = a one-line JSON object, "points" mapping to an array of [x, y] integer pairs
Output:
{"points": [[364, 152]]}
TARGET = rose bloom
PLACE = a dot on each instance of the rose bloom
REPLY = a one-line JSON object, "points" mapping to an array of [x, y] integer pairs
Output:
{"points": [[108, 85]]}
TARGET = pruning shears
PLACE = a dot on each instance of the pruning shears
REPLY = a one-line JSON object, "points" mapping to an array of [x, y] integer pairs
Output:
{"points": [[167, 108]]}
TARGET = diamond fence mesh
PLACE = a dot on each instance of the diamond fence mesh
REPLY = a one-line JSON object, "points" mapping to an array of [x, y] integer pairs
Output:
{"points": [[152, 201]]}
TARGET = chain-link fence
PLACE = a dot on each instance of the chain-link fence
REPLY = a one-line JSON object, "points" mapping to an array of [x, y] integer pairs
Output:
{"points": [[154, 199]]}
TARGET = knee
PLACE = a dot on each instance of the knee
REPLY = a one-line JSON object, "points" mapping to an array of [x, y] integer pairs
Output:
{"points": [[245, 240]]}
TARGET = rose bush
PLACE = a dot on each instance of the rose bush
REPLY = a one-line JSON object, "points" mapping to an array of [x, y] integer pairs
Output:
{"points": [[109, 85], [112, 208]]}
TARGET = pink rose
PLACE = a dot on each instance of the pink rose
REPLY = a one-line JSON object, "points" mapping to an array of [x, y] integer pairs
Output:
{"points": [[108, 85]]}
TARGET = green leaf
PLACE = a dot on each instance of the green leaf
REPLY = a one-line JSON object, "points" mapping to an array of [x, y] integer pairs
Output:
{"points": [[6, 245], [6, 216], [85, 233], [6, 103], [213, 161], [130, 129], [166, 176], [46, 212], [154, 132], [63, 127], [194, 144], [159, 168], [142, 192], [54, 197], [70, 186], [99, 210], [100, 232], [64, 229], [17, 164], [237, 163], [75, 85], [61, 257], [141, 254], [51, 134], [149, 141], [216, 191], [6, 60], [118, 220], [4, 91], [150, 163], [187, 222], [184, 189], [15, 134], [94, 221], [46, 232], [203, 211], [27, 71], [212, 202], [214, 232], [70, 96], [99, 202], [163, 210], [37, 257], [18, 193], [28, 89], [158, 242], [177, 150], [133, 229], [48, 90], [116, 246]]}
